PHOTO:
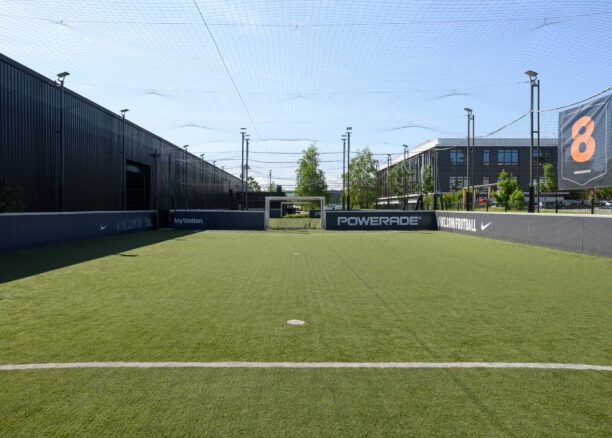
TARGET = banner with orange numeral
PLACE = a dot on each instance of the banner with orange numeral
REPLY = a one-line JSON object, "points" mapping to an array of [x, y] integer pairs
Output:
{"points": [[585, 146]]}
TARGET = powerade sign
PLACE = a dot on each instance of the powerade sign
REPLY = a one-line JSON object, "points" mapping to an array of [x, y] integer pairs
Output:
{"points": [[379, 220]]}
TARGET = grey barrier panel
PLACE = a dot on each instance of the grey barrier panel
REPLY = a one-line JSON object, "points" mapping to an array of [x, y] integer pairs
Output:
{"points": [[218, 220], [556, 232], [597, 236], [380, 220], [578, 233], [22, 230], [6, 231]]}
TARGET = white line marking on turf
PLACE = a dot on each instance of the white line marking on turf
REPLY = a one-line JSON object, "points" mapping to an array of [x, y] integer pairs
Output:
{"points": [[414, 365]]}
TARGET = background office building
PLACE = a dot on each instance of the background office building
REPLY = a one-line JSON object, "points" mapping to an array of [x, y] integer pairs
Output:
{"points": [[447, 160]]}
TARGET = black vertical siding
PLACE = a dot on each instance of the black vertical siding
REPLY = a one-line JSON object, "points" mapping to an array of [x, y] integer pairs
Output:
{"points": [[30, 158]]}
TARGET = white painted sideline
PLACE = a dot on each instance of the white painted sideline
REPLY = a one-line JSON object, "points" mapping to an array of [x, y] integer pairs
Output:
{"points": [[414, 365]]}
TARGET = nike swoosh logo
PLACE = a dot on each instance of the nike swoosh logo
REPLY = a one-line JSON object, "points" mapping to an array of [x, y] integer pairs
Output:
{"points": [[103, 227], [484, 226]]}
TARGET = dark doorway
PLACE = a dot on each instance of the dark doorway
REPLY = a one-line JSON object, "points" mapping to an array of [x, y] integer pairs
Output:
{"points": [[138, 186]]}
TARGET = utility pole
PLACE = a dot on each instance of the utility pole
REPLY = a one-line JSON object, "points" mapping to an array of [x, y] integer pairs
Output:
{"points": [[61, 77], [242, 132], [344, 171], [348, 169]]}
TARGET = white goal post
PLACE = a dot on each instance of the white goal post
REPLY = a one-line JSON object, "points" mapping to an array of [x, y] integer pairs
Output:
{"points": [[296, 200]]}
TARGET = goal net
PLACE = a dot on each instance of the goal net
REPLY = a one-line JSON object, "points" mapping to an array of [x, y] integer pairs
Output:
{"points": [[295, 213]]}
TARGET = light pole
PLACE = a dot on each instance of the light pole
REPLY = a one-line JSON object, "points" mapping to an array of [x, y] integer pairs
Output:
{"points": [[185, 175], [202, 181], [388, 179], [123, 176], [242, 132], [214, 175], [246, 172], [534, 82], [343, 171], [470, 132], [405, 185], [61, 77], [348, 167], [270, 180]]}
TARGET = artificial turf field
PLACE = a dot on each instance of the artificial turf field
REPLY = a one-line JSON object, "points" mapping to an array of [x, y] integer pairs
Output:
{"points": [[374, 297]]}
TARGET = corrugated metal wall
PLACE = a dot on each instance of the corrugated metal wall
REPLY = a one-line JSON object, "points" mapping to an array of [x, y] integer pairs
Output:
{"points": [[99, 148]]}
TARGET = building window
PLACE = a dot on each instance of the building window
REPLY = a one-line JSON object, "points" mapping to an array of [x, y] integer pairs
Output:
{"points": [[507, 157], [486, 156], [457, 182], [457, 157], [486, 180], [546, 155]]}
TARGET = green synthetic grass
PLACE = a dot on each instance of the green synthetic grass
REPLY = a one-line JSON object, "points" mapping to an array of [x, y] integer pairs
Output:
{"points": [[365, 297]]}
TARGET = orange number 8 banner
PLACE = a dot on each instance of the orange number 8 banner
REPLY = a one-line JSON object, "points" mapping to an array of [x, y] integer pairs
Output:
{"points": [[585, 137]]}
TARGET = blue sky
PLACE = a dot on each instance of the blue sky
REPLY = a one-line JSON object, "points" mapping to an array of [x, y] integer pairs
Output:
{"points": [[299, 72]]}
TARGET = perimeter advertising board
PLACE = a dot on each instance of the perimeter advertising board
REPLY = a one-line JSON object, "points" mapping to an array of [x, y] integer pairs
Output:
{"points": [[380, 220], [588, 234], [22, 230], [218, 220], [585, 148]]}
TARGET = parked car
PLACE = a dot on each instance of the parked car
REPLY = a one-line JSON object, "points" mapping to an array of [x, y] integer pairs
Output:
{"points": [[607, 204]]}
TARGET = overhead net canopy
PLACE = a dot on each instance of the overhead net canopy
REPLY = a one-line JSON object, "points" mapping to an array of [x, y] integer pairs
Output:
{"points": [[299, 72]]}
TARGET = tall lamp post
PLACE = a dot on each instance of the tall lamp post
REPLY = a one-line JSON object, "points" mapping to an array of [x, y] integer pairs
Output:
{"points": [[388, 179], [123, 161], [242, 132], [405, 185], [534, 83], [61, 77], [214, 175], [348, 167], [202, 181], [247, 138], [185, 176], [343, 171], [470, 133]]}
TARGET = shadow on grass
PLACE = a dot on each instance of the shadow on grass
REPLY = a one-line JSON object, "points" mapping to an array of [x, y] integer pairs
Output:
{"points": [[25, 263]]}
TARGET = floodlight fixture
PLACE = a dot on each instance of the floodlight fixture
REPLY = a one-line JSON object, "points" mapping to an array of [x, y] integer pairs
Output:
{"points": [[532, 74], [469, 110], [61, 77]]}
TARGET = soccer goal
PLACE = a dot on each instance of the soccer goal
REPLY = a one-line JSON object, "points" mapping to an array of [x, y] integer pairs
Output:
{"points": [[295, 213]]}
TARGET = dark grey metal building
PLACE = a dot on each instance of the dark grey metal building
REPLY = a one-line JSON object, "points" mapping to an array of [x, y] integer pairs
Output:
{"points": [[66, 153]]}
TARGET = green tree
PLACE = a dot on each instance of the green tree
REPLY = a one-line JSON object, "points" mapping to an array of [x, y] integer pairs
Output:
{"points": [[550, 179], [427, 178], [398, 179], [507, 185], [253, 186], [310, 179], [363, 179]]}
